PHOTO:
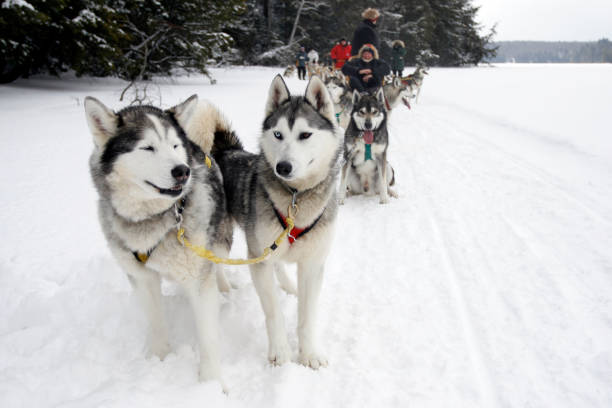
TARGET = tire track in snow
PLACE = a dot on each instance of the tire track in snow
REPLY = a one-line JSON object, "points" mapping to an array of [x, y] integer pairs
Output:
{"points": [[474, 345]]}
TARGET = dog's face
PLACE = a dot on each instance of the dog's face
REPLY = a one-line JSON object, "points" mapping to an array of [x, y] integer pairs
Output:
{"points": [[300, 140], [337, 89], [143, 152], [405, 90], [368, 110]]}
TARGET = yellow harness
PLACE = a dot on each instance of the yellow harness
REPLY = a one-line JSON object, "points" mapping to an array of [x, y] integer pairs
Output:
{"points": [[208, 254]]}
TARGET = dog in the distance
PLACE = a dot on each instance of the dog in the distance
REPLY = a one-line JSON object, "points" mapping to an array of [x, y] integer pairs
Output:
{"points": [[397, 90], [151, 178], [416, 80], [298, 165], [341, 96], [366, 140], [289, 71]]}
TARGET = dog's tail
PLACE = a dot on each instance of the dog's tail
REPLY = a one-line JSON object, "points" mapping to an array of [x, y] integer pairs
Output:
{"points": [[207, 126]]}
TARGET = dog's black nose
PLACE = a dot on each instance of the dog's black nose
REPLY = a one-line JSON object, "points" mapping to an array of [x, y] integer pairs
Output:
{"points": [[181, 173], [368, 124], [284, 168]]}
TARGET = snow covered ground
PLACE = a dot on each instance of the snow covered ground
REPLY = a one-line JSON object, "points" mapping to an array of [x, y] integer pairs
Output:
{"points": [[488, 283]]}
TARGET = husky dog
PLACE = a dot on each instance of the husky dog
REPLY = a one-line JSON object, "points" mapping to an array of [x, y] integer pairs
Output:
{"points": [[397, 90], [298, 164], [417, 80], [289, 71], [150, 178], [342, 98], [366, 140]]}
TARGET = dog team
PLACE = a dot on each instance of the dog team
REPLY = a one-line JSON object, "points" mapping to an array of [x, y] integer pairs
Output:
{"points": [[172, 184]]}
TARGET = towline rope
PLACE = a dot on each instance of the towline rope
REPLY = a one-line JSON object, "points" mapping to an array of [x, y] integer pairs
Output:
{"points": [[208, 254]]}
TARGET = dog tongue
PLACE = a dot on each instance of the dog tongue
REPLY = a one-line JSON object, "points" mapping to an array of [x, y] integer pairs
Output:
{"points": [[368, 136]]}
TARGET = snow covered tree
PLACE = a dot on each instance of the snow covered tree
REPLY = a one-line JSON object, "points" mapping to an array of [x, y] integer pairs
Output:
{"points": [[128, 38]]}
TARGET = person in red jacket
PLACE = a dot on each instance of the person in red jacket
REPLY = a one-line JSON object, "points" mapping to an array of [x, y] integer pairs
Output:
{"points": [[341, 53]]}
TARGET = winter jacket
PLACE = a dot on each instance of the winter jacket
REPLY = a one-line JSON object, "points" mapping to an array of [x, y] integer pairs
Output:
{"points": [[379, 69], [340, 55], [301, 59], [365, 34], [397, 55]]}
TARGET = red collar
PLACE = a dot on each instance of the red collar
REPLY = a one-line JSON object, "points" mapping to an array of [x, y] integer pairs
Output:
{"points": [[296, 232]]}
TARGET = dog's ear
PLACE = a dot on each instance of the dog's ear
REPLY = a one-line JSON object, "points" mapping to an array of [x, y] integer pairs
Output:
{"points": [[101, 120], [277, 95], [341, 76], [318, 96], [380, 95], [397, 82], [184, 110], [356, 97]]}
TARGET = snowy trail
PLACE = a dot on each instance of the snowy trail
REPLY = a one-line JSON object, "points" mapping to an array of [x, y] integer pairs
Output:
{"points": [[488, 283]]}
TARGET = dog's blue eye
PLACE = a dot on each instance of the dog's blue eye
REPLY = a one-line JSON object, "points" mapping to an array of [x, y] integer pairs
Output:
{"points": [[149, 148], [278, 135], [305, 135]]}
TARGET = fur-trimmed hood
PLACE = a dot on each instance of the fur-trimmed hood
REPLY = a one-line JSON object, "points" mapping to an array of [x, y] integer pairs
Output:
{"points": [[367, 46], [398, 42]]}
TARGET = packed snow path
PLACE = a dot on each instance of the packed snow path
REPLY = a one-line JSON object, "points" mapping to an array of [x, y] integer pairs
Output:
{"points": [[488, 283]]}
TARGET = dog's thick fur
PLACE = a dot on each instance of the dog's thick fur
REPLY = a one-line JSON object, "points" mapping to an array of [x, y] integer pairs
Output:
{"points": [[416, 80], [143, 166], [358, 174], [300, 149], [341, 96], [289, 71], [396, 91]]}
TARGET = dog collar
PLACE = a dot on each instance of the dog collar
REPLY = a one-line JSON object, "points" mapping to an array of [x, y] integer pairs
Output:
{"points": [[368, 148], [178, 207], [295, 232]]}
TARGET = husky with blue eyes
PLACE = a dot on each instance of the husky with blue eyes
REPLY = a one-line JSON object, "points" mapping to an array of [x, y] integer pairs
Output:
{"points": [[298, 166]]}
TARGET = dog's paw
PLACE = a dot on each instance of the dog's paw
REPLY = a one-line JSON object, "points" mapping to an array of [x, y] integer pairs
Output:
{"points": [[312, 360], [159, 349], [207, 376], [279, 355], [392, 193], [341, 201], [384, 200]]}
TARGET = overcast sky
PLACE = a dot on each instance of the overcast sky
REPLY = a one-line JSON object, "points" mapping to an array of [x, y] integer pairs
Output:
{"points": [[547, 20]]}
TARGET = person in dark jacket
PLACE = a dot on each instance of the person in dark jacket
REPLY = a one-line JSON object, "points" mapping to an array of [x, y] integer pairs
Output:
{"points": [[366, 71], [300, 62], [366, 31], [397, 57]]}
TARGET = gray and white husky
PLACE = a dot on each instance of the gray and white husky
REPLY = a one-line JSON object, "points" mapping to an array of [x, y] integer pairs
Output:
{"points": [[396, 91], [366, 140], [341, 96], [416, 78], [151, 177], [298, 164]]}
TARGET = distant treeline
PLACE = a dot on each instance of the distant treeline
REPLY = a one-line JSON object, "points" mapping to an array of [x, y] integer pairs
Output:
{"points": [[542, 51]]}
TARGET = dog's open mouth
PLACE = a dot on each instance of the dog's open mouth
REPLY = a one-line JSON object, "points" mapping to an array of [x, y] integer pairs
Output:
{"points": [[406, 102], [173, 191]]}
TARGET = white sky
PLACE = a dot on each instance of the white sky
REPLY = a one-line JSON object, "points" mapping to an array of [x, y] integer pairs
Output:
{"points": [[547, 20]]}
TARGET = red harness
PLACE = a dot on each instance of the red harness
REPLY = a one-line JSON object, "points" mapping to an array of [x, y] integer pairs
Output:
{"points": [[295, 232]]}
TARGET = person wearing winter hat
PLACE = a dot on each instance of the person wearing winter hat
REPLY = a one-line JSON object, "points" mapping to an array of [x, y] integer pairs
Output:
{"points": [[366, 31], [366, 72], [340, 53], [397, 57]]}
